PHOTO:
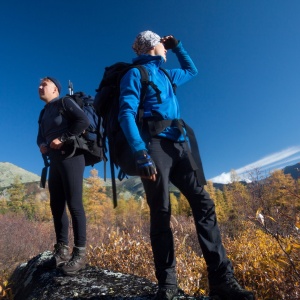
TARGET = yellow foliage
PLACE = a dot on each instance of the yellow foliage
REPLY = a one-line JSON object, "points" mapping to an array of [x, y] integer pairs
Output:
{"points": [[5, 291], [259, 225], [123, 254], [174, 204], [261, 264]]}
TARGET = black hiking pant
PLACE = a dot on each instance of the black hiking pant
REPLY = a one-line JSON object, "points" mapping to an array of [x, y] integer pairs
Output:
{"points": [[173, 165], [65, 187]]}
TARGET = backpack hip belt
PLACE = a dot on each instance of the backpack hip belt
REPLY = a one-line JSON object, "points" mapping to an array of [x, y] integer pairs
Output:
{"points": [[157, 126]]}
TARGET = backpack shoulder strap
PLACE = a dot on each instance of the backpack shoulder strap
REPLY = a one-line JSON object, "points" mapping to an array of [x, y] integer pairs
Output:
{"points": [[169, 77], [145, 83], [62, 106], [41, 115]]}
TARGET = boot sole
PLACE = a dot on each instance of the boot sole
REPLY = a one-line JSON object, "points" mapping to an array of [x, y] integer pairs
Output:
{"points": [[226, 298], [61, 264], [71, 273], [74, 273]]}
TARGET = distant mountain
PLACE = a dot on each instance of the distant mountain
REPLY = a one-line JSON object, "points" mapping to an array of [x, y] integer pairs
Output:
{"points": [[135, 186], [126, 187], [132, 184], [8, 173], [294, 170]]}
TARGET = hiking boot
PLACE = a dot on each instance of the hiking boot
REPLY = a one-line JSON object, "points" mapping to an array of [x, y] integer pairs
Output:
{"points": [[60, 256], [229, 290], [166, 293], [76, 263]]}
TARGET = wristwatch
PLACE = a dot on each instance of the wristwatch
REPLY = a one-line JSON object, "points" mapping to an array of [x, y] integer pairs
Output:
{"points": [[63, 138]]}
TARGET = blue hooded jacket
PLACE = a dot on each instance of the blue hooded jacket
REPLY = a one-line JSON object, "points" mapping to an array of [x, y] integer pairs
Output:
{"points": [[130, 89]]}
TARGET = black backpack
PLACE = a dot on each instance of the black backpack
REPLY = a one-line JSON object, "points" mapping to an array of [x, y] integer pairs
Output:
{"points": [[90, 142], [107, 107]]}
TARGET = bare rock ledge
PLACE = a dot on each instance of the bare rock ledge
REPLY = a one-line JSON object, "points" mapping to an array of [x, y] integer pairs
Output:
{"points": [[30, 281]]}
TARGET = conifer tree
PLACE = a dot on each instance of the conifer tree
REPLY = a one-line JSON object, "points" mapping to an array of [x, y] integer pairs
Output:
{"points": [[96, 204], [221, 206], [3, 205], [280, 204], [174, 204], [184, 206], [145, 210], [16, 195]]}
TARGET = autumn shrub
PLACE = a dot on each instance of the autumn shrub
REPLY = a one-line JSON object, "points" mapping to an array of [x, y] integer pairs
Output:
{"points": [[124, 253], [190, 264], [5, 290], [20, 240], [261, 263], [130, 252], [259, 224]]}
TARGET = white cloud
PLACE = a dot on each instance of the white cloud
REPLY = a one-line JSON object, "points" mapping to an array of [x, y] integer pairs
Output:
{"points": [[273, 161]]}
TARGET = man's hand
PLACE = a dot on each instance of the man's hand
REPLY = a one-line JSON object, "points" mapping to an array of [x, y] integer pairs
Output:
{"points": [[56, 144], [43, 148], [169, 42], [145, 165]]}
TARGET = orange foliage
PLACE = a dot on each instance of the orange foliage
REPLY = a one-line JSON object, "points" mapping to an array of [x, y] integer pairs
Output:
{"points": [[259, 223]]}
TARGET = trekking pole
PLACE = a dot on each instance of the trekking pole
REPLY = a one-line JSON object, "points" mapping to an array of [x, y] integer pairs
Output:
{"points": [[70, 87]]}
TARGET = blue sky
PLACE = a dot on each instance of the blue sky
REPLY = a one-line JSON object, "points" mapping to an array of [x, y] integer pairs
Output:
{"points": [[243, 105]]}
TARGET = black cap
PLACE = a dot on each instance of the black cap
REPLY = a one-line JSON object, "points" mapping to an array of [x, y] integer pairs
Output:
{"points": [[56, 82]]}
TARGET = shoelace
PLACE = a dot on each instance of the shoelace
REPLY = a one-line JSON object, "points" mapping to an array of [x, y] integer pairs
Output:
{"points": [[165, 292], [55, 251], [73, 260], [232, 282], [57, 248]]}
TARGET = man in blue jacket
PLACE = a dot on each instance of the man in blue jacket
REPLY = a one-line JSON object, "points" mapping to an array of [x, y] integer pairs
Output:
{"points": [[162, 156]]}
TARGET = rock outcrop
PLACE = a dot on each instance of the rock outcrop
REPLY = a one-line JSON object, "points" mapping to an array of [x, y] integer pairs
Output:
{"points": [[32, 281]]}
